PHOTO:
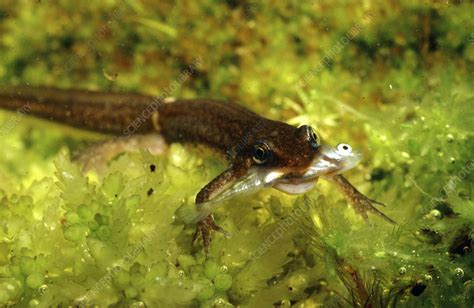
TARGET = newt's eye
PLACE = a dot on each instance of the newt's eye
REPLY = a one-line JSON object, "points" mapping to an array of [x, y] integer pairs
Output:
{"points": [[261, 152], [314, 139]]}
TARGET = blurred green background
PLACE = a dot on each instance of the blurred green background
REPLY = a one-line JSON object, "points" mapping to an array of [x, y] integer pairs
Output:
{"points": [[399, 89]]}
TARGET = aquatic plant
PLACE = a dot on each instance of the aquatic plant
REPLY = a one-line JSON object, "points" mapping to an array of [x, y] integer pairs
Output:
{"points": [[111, 237]]}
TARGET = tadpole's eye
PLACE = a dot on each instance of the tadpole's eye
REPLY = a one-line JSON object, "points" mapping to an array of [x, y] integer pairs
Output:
{"points": [[314, 139], [344, 148], [261, 152]]}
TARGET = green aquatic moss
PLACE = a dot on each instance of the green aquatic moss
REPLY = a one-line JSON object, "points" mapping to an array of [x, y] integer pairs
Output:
{"points": [[113, 237]]}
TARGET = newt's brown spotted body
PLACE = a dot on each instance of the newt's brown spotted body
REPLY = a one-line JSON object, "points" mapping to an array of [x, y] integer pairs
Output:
{"points": [[262, 152]]}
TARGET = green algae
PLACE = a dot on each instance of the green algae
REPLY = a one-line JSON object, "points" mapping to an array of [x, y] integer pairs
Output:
{"points": [[112, 238]]}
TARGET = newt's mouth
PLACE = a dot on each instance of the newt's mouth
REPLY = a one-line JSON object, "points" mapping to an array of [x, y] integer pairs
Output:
{"points": [[329, 162]]}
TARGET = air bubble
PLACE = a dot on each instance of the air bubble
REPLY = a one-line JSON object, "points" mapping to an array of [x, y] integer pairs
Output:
{"points": [[219, 301], [224, 269], [428, 277], [42, 289], [450, 137], [402, 270], [405, 155], [459, 272], [137, 304], [436, 214], [285, 303]]}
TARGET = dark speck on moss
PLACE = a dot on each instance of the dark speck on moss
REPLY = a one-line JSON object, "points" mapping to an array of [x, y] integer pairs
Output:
{"points": [[433, 237], [462, 242], [446, 209], [310, 290], [67, 41], [152, 168], [378, 174], [418, 288], [232, 3], [150, 192], [3, 15]]}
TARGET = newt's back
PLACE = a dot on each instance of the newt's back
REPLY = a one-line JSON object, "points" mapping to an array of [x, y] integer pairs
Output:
{"points": [[221, 125], [104, 112]]}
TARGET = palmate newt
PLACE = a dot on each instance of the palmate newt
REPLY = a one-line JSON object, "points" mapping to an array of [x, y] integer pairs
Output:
{"points": [[261, 152]]}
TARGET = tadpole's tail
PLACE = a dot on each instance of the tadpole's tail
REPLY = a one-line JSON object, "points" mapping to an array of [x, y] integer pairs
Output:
{"points": [[110, 113]]}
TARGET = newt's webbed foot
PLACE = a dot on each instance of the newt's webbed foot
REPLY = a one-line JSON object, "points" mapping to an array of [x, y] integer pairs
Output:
{"points": [[204, 228]]}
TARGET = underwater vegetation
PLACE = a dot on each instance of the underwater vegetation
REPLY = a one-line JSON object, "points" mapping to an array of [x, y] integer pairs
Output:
{"points": [[392, 78]]}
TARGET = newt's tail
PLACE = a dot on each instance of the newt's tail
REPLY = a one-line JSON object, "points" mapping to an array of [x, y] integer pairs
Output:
{"points": [[111, 113]]}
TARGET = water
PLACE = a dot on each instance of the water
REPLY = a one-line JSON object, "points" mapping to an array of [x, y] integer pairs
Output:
{"points": [[391, 79]]}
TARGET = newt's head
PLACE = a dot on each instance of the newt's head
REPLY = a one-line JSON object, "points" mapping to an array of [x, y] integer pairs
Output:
{"points": [[289, 159], [286, 158]]}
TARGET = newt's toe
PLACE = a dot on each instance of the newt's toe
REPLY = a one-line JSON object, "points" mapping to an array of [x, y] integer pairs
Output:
{"points": [[204, 228]]}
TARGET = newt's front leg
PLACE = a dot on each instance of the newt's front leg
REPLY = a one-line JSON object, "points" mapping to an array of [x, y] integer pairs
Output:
{"points": [[220, 183], [359, 202]]}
